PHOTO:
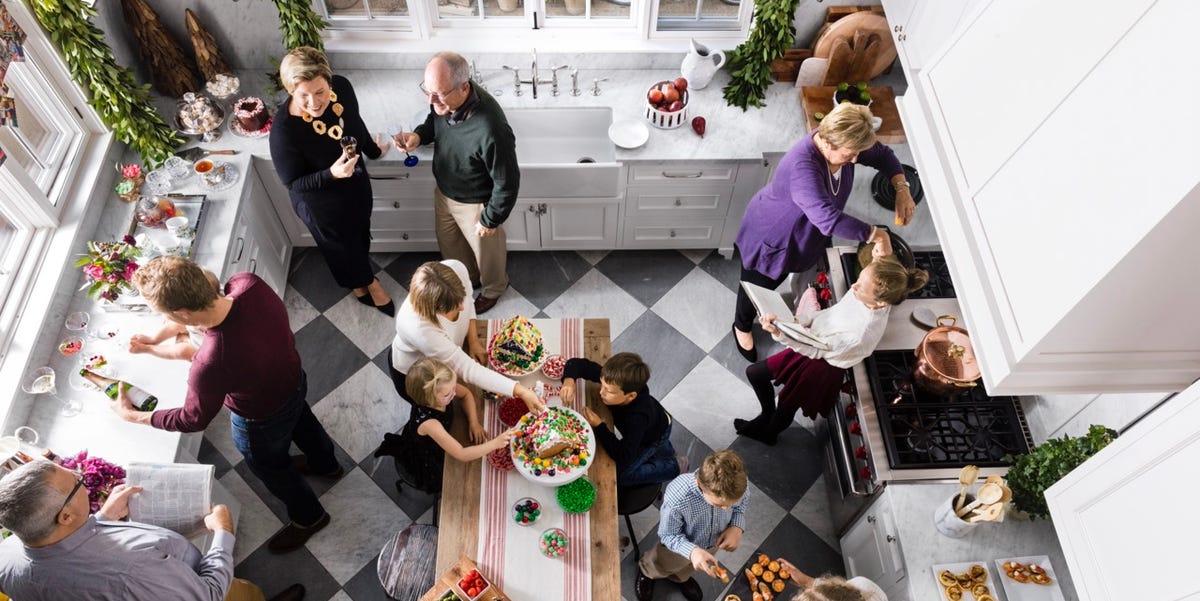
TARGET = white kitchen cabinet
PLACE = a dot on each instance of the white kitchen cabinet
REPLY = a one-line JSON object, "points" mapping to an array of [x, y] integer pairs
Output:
{"points": [[296, 230], [1119, 517], [259, 243], [574, 223], [1061, 218], [920, 28], [523, 229], [871, 548]]}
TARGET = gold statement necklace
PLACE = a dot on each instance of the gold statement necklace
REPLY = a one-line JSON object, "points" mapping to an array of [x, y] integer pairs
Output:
{"points": [[333, 131]]}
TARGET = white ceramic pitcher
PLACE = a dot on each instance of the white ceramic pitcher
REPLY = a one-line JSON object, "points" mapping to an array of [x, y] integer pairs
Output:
{"points": [[700, 65]]}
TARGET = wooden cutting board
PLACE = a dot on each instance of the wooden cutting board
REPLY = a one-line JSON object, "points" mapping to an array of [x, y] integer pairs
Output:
{"points": [[844, 29], [819, 99]]}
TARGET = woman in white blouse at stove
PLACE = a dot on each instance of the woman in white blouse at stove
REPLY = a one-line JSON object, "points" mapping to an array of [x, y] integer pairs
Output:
{"points": [[434, 321], [811, 377], [832, 588]]}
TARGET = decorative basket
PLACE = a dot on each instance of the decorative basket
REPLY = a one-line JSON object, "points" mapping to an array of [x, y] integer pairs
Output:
{"points": [[664, 119]]}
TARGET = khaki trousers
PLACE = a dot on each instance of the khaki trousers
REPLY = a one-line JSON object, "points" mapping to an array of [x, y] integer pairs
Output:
{"points": [[486, 258], [662, 562]]}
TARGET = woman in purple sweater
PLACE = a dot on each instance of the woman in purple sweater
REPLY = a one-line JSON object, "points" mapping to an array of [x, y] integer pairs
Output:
{"points": [[790, 221]]}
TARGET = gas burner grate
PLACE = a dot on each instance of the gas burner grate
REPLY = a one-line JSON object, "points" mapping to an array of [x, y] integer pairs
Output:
{"points": [[924, 430], [940, 285]]}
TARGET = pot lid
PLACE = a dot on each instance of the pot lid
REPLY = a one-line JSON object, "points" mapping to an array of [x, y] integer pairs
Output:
{"points": [[947, 349]]}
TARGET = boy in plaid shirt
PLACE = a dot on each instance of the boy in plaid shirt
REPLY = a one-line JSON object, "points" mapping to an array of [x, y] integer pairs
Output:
{"points": [[701, 512]]}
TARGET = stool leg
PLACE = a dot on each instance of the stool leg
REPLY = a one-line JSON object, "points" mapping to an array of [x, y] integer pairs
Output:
{"points": [[637, 553], [437, 504]]}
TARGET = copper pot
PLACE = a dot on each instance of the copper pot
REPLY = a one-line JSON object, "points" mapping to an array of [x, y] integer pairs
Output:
{"points": [[946, 361]]}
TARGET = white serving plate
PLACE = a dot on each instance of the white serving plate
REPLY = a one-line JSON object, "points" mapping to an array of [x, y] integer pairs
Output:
{"points": [[957, 568], [1029, 591], [628, 133], [559, 479]]}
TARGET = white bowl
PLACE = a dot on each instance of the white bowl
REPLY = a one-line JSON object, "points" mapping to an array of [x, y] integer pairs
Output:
{"points": [[628, 133]]}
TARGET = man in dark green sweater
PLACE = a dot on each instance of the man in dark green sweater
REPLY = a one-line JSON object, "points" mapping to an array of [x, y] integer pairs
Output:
{"points": [[475, 166]]}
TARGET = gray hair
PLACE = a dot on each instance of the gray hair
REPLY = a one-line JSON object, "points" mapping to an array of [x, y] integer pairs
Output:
{"points": [[460, 71], [29, 503]]}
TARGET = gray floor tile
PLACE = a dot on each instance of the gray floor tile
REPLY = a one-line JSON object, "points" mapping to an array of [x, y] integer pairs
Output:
{"points": [[726, 271], [697, 255], [726, 354], [543, 276], [698, 307], [364, 586], [511, 303], [594, 295], [209, 455], [219, 435], [319, 485], [363, 520], [706, 400], [402, 267], [645, 274], [592, 256], [688, 445], [300, 311], [328, 356], [310, 277], [370, 330], [359, 412], [413, 502], [663, 589], [762, 516], [813, 512], [256, 523], [273, 573], [792, 541], [797, 449], [670, 355]]}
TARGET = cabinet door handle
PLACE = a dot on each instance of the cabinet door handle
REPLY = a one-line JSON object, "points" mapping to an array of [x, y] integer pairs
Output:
{"points": [[390, 177], [678, 202], [870, 519], [672, 233], [253, 266], [404, 236], [902, 37], [241, 246], [891, 539], [395, 204], [897, 28], [674, 175], [542, 209], [533, 209]]}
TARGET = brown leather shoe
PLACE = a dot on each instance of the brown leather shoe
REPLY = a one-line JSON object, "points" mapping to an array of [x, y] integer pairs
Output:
{"points": [[293, 536], [291, 593], [643, 587], [483, 304]]}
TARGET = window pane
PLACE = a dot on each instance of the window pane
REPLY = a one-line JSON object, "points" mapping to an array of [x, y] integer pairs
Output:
{"points": [[452, 9], [701, 14], [36, 143], [362, 9], [9, 257]]}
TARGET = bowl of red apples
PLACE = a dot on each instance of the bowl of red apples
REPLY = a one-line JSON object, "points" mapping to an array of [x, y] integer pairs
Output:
{"points": [[666, 103]]}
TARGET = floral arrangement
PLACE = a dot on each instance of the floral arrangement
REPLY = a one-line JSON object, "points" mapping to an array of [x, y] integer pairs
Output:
{"points": [[99, 476], [127, 189], [109, 267]]}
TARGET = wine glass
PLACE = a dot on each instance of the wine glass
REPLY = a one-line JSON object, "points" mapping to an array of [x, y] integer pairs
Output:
{"points": [[41, 381], [78, 321]]}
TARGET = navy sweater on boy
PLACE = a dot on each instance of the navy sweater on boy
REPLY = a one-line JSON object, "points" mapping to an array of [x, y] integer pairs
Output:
{"points": [[641, 423]]}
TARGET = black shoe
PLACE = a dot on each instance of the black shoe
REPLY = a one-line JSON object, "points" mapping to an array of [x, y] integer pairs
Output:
{"points": [[761, 435], [739, 424], [691, 590], [293, 536], [750, 354], [365, 299], [291, 593], [643, 587], [301, 464], [389, 309]]}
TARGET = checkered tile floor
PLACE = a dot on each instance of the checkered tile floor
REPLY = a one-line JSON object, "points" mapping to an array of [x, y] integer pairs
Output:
{"points": [[672, 307]]}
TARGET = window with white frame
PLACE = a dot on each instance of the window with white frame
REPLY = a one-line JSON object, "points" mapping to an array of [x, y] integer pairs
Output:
{"points": [[643, 18]]}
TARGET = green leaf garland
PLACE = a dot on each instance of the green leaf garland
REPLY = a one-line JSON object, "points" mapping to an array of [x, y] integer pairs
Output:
{"points": [[1032, 473], [750, 63], [301, 27], [124, 106]]}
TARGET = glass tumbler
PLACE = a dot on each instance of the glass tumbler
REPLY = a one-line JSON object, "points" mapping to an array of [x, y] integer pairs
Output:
{"points": [[177, 168]]}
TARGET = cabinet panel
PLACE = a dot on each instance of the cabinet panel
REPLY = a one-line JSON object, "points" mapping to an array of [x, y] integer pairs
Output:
{"points": [[642, 233], [415, 183], [679, 202], [523, 229], [669, 171], [996, 83], [862, 555], [273, 249], [580, 225], [296, 230]]}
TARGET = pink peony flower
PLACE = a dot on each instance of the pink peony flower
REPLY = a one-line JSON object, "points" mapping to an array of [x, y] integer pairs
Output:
{"points": [[130, 267], [109, 295], [129, 240], [94, 272], [131, 171]]}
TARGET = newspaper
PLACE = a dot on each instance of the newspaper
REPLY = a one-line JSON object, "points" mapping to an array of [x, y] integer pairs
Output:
{"points": [[175, 496]]}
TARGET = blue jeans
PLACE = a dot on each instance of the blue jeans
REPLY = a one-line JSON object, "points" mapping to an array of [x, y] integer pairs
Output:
{"points": [[265, 444], [656, 464]]}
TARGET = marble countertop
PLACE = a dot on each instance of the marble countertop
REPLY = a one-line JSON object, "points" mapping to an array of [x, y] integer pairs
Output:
{"points": [[923, 546]]}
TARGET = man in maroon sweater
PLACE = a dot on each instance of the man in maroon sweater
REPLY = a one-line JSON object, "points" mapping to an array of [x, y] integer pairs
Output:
{"points": [[248, 362]]}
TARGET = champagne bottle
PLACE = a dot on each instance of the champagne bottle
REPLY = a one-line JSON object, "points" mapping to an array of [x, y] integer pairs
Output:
{"points": [[142, 400]]}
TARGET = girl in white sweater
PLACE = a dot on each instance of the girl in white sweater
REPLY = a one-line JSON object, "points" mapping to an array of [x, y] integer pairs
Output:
{"points": [[810, 376]]}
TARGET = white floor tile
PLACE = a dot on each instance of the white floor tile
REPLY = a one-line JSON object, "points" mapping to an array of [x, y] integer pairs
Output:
{"points": [[700, 307], [813, 511], [359, 412], [592, 256], [341, 596], [369, 330], [256, 523], [706, 400], [644, 522], [300, 311], [511, 304], [363, 520], [696, 255], [594, 295], [762, 516]]}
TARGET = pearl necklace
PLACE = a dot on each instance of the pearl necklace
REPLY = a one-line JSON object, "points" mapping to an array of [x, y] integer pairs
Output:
{"points": [[321, 129], [829, 172]]}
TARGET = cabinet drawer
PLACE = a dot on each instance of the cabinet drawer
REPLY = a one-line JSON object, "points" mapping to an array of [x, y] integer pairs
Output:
{"points": [[667, 171], [706, 201], [386, 215], [694, 234]]}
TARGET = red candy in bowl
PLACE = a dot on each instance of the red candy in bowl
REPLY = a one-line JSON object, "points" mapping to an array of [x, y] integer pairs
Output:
{"points": [[511, 411], [501, 459], [553, 367]]}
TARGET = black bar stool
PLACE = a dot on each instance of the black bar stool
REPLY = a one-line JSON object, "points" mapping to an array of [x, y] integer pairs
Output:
{"points": [[635, 499]]}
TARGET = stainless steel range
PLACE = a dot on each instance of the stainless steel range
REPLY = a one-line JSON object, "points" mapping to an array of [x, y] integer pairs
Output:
{"points": [[884, 429]]}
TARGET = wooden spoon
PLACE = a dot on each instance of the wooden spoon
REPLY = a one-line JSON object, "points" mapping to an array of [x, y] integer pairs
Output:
{"points": [[988, 514], [966, 478], [988, 493]]}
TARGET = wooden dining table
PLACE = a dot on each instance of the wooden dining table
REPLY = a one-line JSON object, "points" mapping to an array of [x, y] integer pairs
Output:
{"points": [[458, 526]]}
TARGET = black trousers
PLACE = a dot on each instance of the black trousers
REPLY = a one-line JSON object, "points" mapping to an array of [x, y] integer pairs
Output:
{"points": [[743, 316], [341, 227]]}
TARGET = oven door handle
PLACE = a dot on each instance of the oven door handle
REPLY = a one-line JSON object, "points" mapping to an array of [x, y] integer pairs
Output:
{"points": [[844, 456]]}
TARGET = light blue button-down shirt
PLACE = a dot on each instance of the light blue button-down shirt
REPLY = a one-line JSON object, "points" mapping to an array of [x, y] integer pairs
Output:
{"points": [[688, 521], [117, 561]]}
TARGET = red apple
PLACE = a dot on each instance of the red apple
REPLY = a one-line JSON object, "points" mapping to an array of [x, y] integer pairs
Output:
{"points": [[675, 107], [670, 94], [655, 96], [680, 84]]}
